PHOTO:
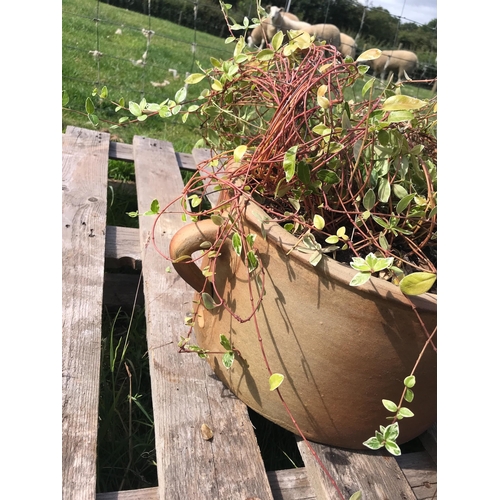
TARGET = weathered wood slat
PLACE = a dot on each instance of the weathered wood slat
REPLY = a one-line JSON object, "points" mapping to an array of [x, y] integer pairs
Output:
{"points": [[84, 176], [142, 494], [122, 247], [121, 151], [377, 475], [290, 484], [185, 392], [420, 471]]}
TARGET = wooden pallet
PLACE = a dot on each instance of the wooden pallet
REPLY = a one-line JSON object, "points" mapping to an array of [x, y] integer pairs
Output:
{"points": [[185, 392]]}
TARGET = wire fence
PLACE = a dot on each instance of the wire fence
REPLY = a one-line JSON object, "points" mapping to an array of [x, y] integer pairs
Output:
{"points": [[148, 70]]}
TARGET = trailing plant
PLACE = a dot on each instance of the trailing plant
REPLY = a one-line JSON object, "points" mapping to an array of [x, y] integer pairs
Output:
{"points": [[352, 178]]}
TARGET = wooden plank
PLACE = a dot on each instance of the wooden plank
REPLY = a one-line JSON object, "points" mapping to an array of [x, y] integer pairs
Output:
{"points": [[420, 471], [185, 161], [142, 494], [121, 151], [289, 484], [185, 392], [84, 176], [376, 474], [123, 248]]}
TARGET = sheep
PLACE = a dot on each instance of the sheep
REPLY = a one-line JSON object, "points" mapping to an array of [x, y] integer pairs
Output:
{"points": [[347, 45], [265, 31], [394, 60], [328, 32]]}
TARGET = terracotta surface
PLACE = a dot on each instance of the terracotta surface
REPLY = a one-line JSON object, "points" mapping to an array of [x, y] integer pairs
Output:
{"points": [[342, 349]]}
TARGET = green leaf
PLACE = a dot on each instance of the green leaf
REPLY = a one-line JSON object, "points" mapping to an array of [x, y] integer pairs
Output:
{"points": [[208, 301], [332, 239], [355, 496], [373, 443], [275, 380], [65, 98], [224, 341], [228, 359], [251, 239], [265, 55], [409, 395], [360, 264], [402, 102], [253, 263], [217, 219], [236, 241], [383, 241], [289, 162], [134, 108], [391, 432], [277, 40], [94, 120], [369, 199], [405, 412], [404, 202], [316, 257], [194, 78], [417, 283], [384, 190], [410, 381], [318, 222], [381, 222], [360, 279], [180, 95], [392, 448], [328, 177], [369, 55], [399, 191], [368, 85], [239, 153], [195, 200], [400, 116], [89, 106], [382, 263], [389, 405]]}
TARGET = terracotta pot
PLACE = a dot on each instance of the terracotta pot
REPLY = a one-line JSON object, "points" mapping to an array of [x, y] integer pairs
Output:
{"points": [[342, 349]]}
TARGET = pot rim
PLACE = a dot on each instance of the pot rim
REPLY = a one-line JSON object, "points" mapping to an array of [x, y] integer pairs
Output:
{"points": [[332, 269]]}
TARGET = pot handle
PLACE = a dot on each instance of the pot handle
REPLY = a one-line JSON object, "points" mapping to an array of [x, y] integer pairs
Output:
{"points": [[185, 242]]}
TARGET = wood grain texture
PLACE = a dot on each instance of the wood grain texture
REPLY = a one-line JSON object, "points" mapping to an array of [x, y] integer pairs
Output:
{"points": [[142, 494], [289, 484], [84, 177], [375, 474], [123, 248], [420, 471], [185, 392]]}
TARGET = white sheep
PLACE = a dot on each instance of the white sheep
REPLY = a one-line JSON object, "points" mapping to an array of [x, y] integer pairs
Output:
{"points": [[265, 31], [328, 32], [347, 45], [397, 61]]}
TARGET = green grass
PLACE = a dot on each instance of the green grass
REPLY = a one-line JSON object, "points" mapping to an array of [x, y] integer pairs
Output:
{"points": [[170, 48], [126, 447]]}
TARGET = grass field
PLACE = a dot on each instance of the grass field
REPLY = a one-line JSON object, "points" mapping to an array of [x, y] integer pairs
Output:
{"points": [[170, 56]]}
